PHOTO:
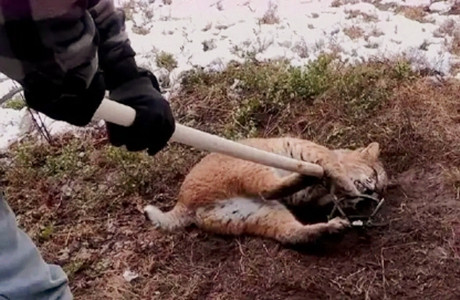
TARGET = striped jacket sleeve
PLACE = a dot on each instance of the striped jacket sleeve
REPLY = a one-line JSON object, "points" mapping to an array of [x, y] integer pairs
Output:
{"points": [[61, 37], [52, 38], [63, 43], [116, 57]]}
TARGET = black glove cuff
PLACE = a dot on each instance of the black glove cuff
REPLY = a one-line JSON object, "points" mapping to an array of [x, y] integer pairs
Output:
{"points": [[133, 89]]}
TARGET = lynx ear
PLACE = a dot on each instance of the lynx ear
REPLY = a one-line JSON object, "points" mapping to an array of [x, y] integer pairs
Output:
{"points": [[372, 151]]}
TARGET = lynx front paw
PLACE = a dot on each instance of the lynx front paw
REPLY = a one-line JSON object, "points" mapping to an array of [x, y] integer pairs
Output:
{"points": [[348, 186], [341, 180], [337, 224]]}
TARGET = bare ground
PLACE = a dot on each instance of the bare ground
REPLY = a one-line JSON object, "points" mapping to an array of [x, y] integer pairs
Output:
{"points": [[99, 234]]}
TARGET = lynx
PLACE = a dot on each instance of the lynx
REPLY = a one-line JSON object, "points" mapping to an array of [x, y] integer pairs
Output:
{"points": [[230, 196]]}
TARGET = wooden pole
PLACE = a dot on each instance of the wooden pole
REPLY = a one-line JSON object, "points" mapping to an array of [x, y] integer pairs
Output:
{"points": [[113, 112]]}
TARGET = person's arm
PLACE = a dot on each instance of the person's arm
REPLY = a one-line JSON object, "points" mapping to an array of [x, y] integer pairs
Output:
{"points": [[116, 56], [130, 85], [51, 50], [67, 55]]}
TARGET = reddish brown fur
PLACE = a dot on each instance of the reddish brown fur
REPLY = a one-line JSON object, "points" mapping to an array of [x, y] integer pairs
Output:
{"points": [[232, 196]]}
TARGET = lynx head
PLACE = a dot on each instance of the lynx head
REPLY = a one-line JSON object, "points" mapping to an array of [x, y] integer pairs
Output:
{"points": [[365, 169]]}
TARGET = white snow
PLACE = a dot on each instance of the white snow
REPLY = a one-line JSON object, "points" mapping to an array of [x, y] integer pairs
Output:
{"points": [[298, 30], [6, 85], [11, 126], [441, 7], [409, 2], [233, 27], [15, 124]]}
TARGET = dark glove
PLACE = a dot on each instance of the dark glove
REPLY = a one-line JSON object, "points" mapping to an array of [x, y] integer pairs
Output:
{"points": [[70, 101], [154, 123]]}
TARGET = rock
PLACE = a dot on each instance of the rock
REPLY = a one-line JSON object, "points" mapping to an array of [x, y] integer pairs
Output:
{"points": [[440, 7], [129, 275]]}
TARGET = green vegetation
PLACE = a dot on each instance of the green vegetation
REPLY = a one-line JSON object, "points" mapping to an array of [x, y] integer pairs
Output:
{"points": [[15, 103], [80, 199], [252, 92], [166, 60]]}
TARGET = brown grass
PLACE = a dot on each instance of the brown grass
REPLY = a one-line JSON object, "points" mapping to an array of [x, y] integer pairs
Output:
{"points": [[416, 13], [356, 13], [448, 27], [455, 48], [337, 3], [270, 16], [80, 200], [354, 32]]}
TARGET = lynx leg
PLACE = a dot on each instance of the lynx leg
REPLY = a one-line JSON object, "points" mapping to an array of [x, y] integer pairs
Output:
{"points": [[176, 218], [238, 216], [272, 186], [289, 185], [227, 216]]}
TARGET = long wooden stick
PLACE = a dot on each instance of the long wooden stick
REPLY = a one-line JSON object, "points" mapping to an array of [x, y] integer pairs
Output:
{"points": [[123, 115]]}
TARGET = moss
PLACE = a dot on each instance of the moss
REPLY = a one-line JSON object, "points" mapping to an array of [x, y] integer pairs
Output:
{"points": [[16, 103], [166, 60]]}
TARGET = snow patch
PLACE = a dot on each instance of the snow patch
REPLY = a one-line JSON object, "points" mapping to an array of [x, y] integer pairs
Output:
{"points": [[441, 7]]}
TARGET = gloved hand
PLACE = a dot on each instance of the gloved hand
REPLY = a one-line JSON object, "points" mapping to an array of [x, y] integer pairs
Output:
{"points": [[69, 101], [154, 123]]}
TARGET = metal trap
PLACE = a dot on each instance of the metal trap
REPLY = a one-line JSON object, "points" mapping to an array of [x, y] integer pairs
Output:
{"points": [[360, 211]]}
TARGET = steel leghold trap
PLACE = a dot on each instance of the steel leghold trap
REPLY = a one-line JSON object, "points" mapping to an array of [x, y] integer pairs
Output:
{"points": [[360, 211]]}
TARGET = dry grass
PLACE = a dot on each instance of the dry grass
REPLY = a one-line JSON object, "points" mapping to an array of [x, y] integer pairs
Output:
{"points": [[80, 200], [375, 32], [453, 178], [356, 13], [455, 48], [140, 30], [166, 60], [239, 99], [354, 32], [450, 28], [416, 13], [301, 48], [337, 3], [270, 16]]}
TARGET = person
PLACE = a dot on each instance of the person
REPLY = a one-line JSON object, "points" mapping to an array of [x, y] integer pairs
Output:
{"points": [[67, 54]]}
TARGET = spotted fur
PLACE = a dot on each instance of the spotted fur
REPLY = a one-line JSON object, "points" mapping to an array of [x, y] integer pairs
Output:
{"points": [[230, 196]]}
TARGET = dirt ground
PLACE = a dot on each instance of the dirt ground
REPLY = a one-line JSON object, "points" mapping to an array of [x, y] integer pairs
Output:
{"points": [[416, 255]]}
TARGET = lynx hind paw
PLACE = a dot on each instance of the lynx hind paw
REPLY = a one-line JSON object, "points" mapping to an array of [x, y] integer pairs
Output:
{"points": [[153, 215], [337, 224]]}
